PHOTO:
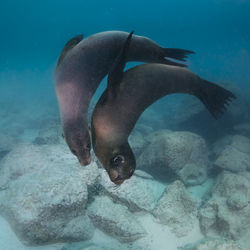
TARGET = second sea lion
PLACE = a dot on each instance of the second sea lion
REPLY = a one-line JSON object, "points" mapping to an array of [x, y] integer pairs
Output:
{"points": [[81, 67], [128, 94]]}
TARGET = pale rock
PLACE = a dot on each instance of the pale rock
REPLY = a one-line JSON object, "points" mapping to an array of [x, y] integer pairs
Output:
{"points": [[214, 244], [41, 206], [137, 193], [49, 135], [242, 129], [171, 154], [236, 156], [177, 209], [7, 142], [227, 212], [45, 192], [115, 220]]}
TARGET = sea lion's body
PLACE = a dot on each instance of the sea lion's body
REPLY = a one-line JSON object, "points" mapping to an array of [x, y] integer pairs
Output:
{"points": [[115, 115], [81, 67]]}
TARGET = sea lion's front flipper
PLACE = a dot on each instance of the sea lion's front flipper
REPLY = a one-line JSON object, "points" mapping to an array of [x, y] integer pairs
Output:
{"points": [[69, 45], [116, 72]]}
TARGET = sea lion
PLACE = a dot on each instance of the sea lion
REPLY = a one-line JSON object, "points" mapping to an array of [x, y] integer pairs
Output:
{"points": [[81, 67], [128, 94]]}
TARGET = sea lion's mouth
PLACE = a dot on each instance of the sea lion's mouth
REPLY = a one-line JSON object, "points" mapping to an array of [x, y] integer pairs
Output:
{"points": [[115, 178], [118, 182], [85, 162]]}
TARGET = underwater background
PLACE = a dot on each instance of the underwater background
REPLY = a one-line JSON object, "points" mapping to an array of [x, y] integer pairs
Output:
{"points": [[191, 189]]}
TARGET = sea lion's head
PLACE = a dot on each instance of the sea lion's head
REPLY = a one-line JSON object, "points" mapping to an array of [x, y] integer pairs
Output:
{"points": [[79, 144], [119, 161]]}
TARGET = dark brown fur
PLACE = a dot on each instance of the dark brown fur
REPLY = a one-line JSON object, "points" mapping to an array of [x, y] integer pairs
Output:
{"points": [[115, 115], [81, 67]]}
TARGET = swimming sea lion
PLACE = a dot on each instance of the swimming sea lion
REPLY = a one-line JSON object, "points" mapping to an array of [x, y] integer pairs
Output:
{"points": [[81, 67], [128, 94]]}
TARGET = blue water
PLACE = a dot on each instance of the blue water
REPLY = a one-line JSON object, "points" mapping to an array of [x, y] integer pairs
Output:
{"points": [[33, 34]]}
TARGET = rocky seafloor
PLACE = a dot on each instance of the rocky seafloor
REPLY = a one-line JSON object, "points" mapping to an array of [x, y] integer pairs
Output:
{"points": [[191, 189]]}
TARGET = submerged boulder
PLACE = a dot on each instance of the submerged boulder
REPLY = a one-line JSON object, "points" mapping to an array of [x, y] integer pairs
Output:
{"points": [[47, 207], [235, 156], [227, 212], [7, 142], [30, 158], [242, 129], [44, 194], [49, 135], [137, 143], [177, 209], [139, 193], [115, 220], [180, 154], [214, 244]]}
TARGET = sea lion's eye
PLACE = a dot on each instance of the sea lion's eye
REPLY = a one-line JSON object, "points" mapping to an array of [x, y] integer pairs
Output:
{"points": [[117, 160], [88, 146]]}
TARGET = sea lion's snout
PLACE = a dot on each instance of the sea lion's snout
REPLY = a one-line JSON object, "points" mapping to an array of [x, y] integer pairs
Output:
{"points": [[85, 161], [115, 177], [121, 169], [79, 144], [118, 178]]}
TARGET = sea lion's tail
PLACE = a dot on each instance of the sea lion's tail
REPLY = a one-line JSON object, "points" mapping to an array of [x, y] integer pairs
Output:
{"points": [[178, 54], [215, 98]]}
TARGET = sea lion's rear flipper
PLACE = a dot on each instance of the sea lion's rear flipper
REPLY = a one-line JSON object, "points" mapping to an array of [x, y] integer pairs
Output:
{"points": [[116, 73], [69, 45], [168, 62], [214, 97], [178, 54]]}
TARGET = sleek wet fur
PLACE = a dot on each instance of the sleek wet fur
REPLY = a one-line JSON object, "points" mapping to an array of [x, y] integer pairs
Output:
{"points": [[129, 94], [81, 67]]}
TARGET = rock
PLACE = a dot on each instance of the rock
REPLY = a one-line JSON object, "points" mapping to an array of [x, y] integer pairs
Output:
{"points": [[242, 129], [115, 220], [49, 135], [44, 194], [29, 158], [137, 143], [181, 154], [86, 247], [214, 244], [7, 142], [228, 185], [154, 136], [227, 213], [47, 207], [177, 209], [236, 155], [151, 118], [143, 129], [142, 174], [218, 146], [26, 158], [80, 228], [137, 193]]}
